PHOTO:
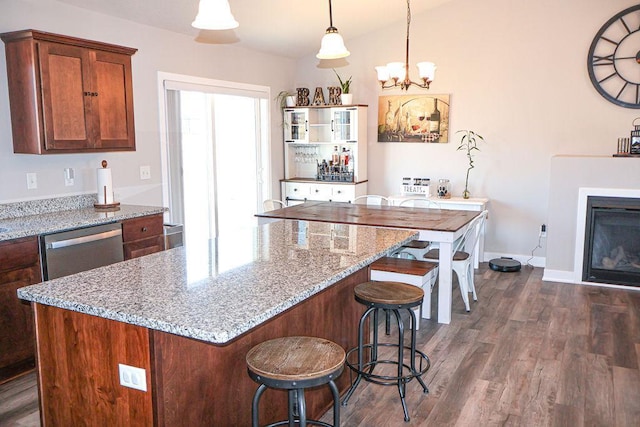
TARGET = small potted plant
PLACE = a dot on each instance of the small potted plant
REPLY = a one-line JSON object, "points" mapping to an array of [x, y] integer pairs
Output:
{"points": [[469, 144], [346, 98], [286, 99]]}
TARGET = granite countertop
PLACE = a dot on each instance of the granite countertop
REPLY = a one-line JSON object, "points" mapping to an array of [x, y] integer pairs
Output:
{"points": [[55, 215], [216, 290]]}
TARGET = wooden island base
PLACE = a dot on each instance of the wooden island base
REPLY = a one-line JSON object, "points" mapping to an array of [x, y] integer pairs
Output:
{"points": [[190, 382]]}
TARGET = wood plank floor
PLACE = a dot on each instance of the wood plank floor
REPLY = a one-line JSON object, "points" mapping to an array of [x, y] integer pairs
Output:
{"points": [[530, 353]]}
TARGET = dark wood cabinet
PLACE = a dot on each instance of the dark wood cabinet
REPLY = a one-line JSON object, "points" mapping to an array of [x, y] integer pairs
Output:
{"points": [[19, 267], [68, 95], [143, 236]]}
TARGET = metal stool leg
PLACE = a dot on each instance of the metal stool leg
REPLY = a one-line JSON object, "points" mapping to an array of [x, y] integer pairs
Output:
{"points": [[254, 405], [336, 403], [302, 408], [413, 352], [401, 382], [374, 356]]}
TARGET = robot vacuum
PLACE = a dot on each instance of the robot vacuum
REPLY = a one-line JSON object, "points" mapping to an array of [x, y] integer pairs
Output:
{"points": [[505, 264]]}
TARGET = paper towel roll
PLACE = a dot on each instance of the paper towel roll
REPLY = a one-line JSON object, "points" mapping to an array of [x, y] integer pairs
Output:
{"points": [[105, 186]]}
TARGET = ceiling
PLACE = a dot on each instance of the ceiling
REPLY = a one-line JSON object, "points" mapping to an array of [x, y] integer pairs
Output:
{"points": [[291, 28]]}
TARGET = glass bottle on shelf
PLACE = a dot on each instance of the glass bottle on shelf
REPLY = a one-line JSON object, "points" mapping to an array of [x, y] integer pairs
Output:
{"points": [[335, 156]]}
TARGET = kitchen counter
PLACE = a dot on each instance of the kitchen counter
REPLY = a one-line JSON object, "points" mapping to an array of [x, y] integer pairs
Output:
{"points": [[23, 219], [217, 293], [187, 317]]}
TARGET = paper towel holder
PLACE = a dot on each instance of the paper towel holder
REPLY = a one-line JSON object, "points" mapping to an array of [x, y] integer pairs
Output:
{"points": [[106, 206]]}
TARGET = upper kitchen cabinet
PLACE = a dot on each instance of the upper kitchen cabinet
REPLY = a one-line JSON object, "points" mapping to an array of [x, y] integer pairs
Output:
{"points": [[68, 95]]}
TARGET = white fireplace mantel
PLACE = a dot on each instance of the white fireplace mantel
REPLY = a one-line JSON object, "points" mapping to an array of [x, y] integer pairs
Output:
{"points": [[571, 181]]}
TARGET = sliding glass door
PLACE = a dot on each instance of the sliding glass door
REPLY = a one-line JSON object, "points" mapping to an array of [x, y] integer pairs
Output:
{"points": [[217, 157]]}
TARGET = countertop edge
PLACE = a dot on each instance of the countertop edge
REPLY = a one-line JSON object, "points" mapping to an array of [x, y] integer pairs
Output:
{"points": [[219, 337]]}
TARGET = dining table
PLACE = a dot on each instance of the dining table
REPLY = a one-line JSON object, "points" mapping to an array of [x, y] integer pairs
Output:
{"points": [[440, 226]]}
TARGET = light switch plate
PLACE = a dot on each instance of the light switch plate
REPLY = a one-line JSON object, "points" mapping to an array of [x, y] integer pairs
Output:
{"points": [[32, 181]]}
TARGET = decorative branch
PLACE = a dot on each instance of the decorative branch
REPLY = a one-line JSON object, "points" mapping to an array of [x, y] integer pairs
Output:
{"points": [[469, 144]]}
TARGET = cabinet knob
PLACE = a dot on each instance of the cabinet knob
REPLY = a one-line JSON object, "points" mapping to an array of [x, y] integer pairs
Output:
{"points": [[339, 192], [144, 229], [317, 191]]}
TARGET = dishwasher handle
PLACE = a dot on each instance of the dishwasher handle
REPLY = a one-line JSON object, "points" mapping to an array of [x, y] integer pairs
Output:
{"points": [[84, 239]]}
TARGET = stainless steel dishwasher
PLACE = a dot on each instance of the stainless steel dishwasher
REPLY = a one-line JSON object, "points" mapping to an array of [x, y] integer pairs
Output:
{"points": [[79, 250]]}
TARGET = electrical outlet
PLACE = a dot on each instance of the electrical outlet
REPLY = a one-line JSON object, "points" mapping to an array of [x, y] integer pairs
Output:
{"points": [[145, 172], [132, 377], [543, 230], [32, 181]]}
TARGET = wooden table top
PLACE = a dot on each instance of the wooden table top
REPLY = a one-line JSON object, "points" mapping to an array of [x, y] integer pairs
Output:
{"points": [[377, 216]]}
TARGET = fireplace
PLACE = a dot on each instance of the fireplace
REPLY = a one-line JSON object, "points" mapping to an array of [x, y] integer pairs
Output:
{"points": [[612, 241]]}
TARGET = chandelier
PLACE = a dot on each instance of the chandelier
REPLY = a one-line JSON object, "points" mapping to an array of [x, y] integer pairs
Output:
{"points": [[332, 45], [398, 70]]}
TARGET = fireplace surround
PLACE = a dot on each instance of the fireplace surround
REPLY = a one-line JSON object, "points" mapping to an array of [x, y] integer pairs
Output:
{"points": [[612, 241]]}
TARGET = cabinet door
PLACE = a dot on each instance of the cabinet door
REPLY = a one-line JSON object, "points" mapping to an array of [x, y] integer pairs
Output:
{"points": [[296, 125], [65, 78], [20, 266], [344, 124], [113, 101]]}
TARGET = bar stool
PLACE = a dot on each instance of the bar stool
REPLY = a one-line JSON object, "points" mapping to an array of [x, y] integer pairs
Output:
{"points": [[393, 297], [412, 272], [294, 364]]}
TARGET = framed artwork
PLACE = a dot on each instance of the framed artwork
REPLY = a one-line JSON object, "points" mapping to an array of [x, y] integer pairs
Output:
{"points": [[413, 118]]}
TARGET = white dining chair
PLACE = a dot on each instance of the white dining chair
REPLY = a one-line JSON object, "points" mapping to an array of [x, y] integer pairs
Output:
{"points": [[418, 248], [462, 263], [371, 199], [272, 204]]}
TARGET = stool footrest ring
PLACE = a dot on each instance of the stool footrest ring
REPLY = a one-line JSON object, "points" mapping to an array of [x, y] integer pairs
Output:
{"points": [[422, 360]]}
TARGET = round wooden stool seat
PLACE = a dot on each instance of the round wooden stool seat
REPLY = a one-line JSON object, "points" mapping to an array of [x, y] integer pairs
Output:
{"points": [[294, 364], [295, 360], [389, 294]]}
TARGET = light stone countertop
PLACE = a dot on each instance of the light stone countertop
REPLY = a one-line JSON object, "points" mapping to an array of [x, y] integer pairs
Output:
{"points": [[52, 222], [216, 291]]}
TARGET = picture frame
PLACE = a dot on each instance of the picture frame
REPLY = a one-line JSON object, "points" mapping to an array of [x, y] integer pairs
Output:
{"points": [[414, 118]]}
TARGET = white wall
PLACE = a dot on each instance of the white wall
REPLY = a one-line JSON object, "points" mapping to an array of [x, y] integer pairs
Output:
{"points": [[158, 50], [517, 74]]}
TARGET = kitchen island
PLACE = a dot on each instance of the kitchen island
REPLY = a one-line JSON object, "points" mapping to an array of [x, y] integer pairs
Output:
{"points": [[188, 316]]}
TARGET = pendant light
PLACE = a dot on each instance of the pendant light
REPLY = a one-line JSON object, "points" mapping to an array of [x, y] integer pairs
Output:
{"points": [[332, 45], [214, 15], [398, 70]]}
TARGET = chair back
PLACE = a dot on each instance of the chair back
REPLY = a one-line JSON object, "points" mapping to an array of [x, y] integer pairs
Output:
{"points": [[371, 199], [273, 204], [468, 240], [420, 202]]}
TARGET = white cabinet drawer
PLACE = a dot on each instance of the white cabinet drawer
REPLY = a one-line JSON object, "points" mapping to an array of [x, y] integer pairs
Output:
{"points": [[343, 193]]}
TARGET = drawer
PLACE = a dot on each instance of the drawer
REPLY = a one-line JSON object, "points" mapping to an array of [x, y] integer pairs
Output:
{"points": [[343, 193], [142, 228], [296, 190], [143, 247], [19, 253], [320, 192]]}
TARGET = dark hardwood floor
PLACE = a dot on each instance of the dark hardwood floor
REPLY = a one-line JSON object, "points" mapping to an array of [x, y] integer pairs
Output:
{"points": [[530, 353]]}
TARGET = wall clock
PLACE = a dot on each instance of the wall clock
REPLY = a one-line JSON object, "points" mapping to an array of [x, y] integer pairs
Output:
{"points": [[614, 59]]}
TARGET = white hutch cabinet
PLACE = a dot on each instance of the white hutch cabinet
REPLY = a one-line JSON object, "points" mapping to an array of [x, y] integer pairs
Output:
{"points": [[325, 153]]}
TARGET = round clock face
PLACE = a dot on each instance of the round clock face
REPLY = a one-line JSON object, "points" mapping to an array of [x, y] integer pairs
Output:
{"points": [[614, 59]]}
